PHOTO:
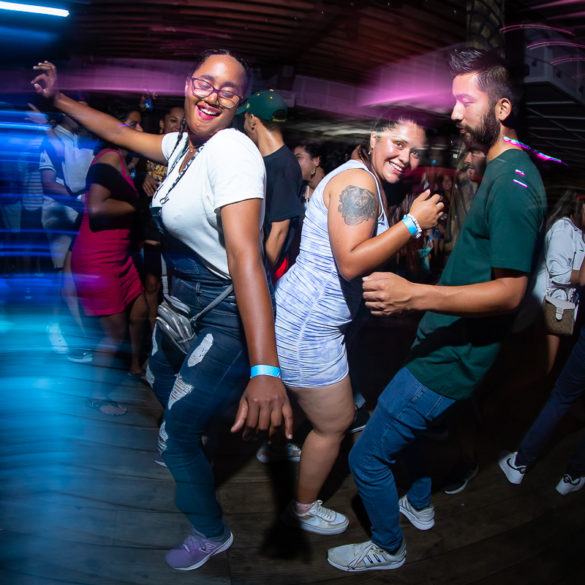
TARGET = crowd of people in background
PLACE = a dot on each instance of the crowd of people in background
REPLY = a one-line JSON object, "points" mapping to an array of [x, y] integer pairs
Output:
{"points": [[263, 253]]}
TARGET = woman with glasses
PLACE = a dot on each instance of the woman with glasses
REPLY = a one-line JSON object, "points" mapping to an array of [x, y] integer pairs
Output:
{"points": [[106, 279], [210, 210], [345, 237]]}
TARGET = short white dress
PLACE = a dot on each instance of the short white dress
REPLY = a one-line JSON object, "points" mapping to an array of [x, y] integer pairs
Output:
{"points": [[314, 303]]}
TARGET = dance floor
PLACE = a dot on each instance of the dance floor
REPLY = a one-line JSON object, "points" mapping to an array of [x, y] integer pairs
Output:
{"points": [[82, 501]]}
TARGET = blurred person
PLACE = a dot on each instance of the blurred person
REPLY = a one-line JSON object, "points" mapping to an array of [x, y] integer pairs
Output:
{"points": [[22, 194], [345, 236], [106, 278], [568, 388], [170, 121], [310, 158], [564, 250], [264, 115], [467, 179], [210, 209], [446, 187], [468, 314], [65, 157]]}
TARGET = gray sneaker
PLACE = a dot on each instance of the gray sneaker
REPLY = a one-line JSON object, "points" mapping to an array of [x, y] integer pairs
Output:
{"points": [[422, 519], [365, 556], [318, 519]]}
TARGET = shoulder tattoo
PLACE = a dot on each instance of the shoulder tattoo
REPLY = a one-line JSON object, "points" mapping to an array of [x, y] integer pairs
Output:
{"points": [[357, 205]]}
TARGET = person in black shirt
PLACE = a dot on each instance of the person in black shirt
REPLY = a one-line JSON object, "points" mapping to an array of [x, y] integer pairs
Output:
{"points": [[265, 112]]}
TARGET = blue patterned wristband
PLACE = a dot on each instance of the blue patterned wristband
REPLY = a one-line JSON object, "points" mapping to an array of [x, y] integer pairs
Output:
{"points": [[265, 371]]}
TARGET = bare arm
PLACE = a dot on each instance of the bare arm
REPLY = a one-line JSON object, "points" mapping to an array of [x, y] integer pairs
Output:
{"points": [[103, 125], [106, 212], [51, 187], [387, 293], [275, 240], [353, 208], [264, 404], [580, 280]]}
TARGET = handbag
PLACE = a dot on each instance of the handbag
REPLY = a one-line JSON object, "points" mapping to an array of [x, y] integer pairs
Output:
{"points": [[559, 314], [175, 321]]}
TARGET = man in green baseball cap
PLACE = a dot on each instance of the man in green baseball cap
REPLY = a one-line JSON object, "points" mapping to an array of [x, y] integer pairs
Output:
{"points": [[265, 112], [266, 105]]}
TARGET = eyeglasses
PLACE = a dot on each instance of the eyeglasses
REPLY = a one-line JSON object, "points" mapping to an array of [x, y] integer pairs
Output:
{"points": [[201, 88]]}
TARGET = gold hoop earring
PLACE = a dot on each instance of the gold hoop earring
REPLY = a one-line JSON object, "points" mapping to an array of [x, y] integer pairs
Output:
{"points": [[313, 172]]}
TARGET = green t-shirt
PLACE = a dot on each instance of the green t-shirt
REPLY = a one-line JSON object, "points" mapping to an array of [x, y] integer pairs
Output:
{"points": [[451, 354]]}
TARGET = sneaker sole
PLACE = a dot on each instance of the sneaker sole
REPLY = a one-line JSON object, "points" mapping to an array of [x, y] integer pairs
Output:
{"points": [[83, 360], [564, 489], [298, 524], [395, 565], [218, 550], [421, 525]]}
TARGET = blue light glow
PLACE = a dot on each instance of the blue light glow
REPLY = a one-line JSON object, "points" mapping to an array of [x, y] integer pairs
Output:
{"points": [[34, 9], [20, 35]]}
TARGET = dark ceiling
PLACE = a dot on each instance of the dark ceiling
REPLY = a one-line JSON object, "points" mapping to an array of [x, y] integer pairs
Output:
{"points": [[337, 41]]}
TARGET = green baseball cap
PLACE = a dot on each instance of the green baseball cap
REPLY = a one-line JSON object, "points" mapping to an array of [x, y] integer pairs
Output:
{"points": [[267, 105]]}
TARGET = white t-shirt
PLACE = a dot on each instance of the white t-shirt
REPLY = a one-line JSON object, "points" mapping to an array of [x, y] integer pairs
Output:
{"points": [[76, 160], [564, 252], [227, 169]]}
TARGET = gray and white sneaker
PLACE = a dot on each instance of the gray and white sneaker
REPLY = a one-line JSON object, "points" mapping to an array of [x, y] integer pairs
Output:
{"points": [[422, 519], [570, 484], [365, 556], [514, 473], [318, 519]]}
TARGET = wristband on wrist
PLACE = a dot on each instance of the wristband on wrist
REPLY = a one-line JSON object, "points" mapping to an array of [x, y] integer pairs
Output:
{"points": [[262, 370], [412, 225]]}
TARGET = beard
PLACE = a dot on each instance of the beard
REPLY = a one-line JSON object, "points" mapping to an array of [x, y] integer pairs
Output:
{"points": [[484, 136]]}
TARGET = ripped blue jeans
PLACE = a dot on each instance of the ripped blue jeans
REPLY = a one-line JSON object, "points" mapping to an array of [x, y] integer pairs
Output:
{"points": [[196, 389]]}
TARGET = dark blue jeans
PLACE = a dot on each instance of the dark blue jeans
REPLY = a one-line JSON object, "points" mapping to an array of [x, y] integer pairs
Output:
{"points": [[568, 388], [197, 388], [404, 408]]}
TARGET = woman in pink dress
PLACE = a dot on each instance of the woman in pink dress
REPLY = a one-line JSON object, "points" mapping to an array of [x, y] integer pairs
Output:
{"points": [[106, 278]]}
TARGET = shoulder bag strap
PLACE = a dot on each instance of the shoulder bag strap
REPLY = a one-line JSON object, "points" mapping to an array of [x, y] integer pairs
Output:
{"points": [[226, 292]]}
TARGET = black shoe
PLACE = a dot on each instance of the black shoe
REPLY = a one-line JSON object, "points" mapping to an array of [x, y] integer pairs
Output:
{"points": [[461, 475], [360, 418]]}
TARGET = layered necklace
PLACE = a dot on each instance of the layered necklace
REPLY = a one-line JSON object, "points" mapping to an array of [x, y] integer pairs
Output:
{"points": [[188, 148]]}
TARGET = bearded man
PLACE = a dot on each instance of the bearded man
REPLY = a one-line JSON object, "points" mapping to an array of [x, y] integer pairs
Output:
{"points": [[468, 313]]}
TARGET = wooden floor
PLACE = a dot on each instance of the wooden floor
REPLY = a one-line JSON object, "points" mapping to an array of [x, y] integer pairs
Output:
{"points": [[82, 501]]}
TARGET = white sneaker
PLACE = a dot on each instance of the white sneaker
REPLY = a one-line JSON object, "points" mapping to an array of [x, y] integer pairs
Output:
{"points": [[422, 519], [514, 473], [268, 454], [56, 338], [570, 484], [318, 519], [365, 556]]}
